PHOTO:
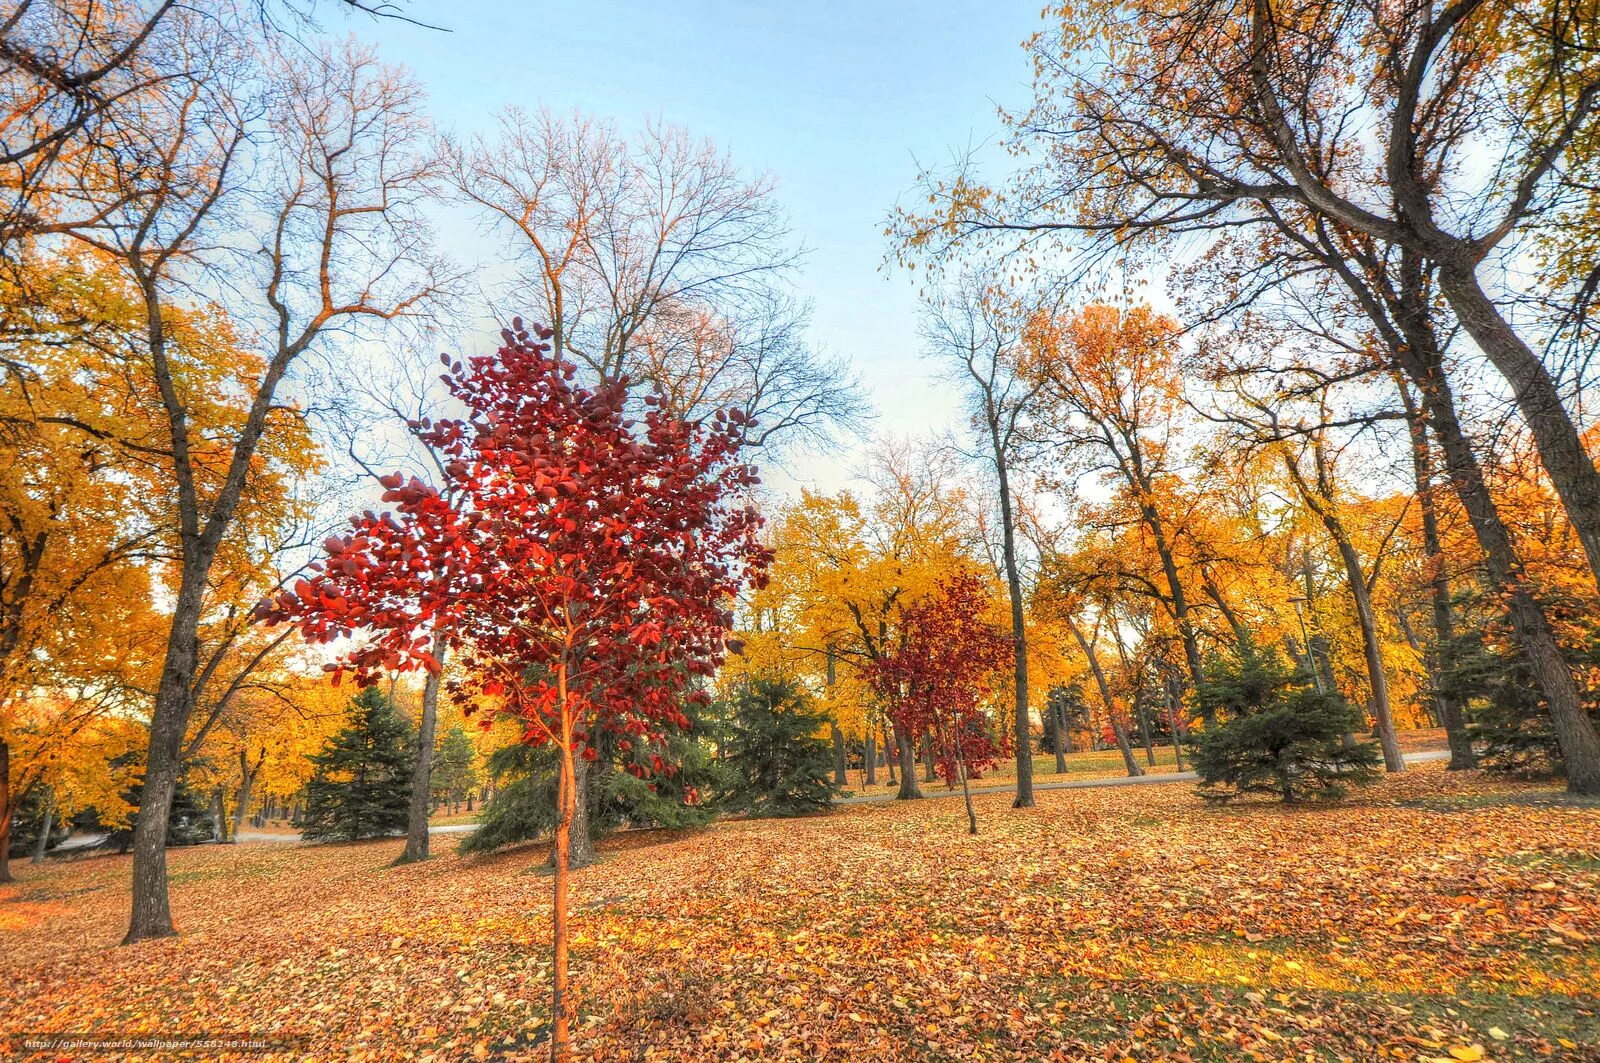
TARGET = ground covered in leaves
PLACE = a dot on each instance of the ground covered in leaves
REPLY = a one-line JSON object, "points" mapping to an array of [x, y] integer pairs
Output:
{"points": [[1435, 917]]}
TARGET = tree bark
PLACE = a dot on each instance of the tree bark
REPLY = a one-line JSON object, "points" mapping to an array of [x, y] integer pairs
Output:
{"points": [[7, 810], [422, 772], [1106, 699], [1144, 727], [1572, 470], [152, 912], [1061, 738], [1462, 758], [841, 767], [1019, 636], [909, 790], [247, 781], [560, 1016], [1575, 733], [870, 761], [929, 770]]}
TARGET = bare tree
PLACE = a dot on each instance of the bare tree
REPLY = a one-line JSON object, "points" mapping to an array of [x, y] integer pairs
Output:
{"points": [[966, 328], [287, 192], [654, 257]]}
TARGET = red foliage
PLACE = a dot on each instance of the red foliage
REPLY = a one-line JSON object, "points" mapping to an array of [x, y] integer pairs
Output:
{"points": [[933, 683], [582, 561]]}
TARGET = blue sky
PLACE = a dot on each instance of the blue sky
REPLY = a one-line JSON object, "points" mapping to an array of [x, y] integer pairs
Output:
{"points": [[837, 100]]}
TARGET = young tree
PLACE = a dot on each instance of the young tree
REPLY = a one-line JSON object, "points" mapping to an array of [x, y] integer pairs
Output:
{"points": [[362, 788], [1282, 735], [773, 746], [583, 562], [934, 682]]}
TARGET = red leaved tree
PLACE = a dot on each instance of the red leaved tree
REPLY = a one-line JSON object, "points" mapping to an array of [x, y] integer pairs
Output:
{"points": [[582, 562], [934, 682]]}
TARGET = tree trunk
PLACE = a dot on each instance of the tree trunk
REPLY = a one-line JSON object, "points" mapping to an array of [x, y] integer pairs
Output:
{"points": [[1575, 733], [909, 791], [247, 781], [870, 761], [1572, 470], [1105, 698], [41, 844], [1123, 747], [1356, 582], [1172, 720], [1019, 635], [219, 819], [1061, 738], [841, 767], [560, 1017], [7, 810], [1144, 727], [966, 792], [422, 772], [152, 912], [929, 769], [1462, 758], [891, 752]]}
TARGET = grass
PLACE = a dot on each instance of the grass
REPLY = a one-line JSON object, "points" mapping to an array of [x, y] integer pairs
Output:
{"points": [[1105, 924]]}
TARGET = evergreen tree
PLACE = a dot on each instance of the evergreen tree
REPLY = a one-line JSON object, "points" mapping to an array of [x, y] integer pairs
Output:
{"points": [[1282, 734], [523, 807], [784, 768], [1507, 718], [453, 773], [362, 786]]}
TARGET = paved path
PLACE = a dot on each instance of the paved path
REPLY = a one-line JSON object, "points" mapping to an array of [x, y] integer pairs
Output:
{"points": [[870, 799], [263, 836], [1085, 784]]}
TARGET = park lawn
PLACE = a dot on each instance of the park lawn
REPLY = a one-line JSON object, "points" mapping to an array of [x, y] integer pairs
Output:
{"points": [[1433, 917]]}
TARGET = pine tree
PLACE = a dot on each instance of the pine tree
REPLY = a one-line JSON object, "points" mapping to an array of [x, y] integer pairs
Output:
{"points": [[1284, 736], [362, 786], [784, 768]]}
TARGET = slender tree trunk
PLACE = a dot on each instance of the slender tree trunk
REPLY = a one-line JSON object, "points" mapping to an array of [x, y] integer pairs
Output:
{"points": [[929, 770], [841, 767], [1572, 470], [422, 772], [1124, 747], [560, 1005], [1019, 635], [247, 781], [1462, 758], [219, 820], [1356, 582], [1144, 727], [909, 790], [870, 760], [41, 844], [1061, 738], [7, 811], [966, 792], [1106, 699], [891, 752], [1172, 720]]}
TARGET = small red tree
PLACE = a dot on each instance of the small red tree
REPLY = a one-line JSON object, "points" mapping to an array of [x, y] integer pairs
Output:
{"points": [[933, 683], [582, 561]]}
